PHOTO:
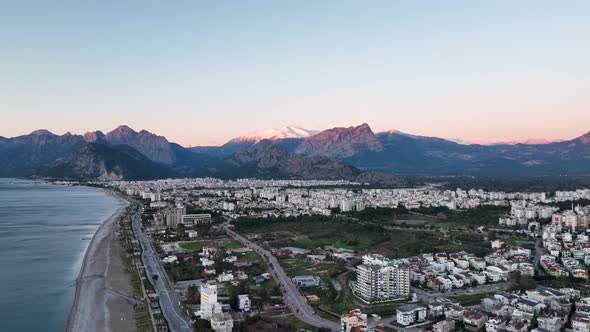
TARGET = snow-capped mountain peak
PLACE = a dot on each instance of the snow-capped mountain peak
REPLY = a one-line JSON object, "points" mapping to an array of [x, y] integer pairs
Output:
{"points": [[277, 133]]}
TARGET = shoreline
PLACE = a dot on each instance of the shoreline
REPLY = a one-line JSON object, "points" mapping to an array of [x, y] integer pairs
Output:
{"points": [[90, 310]]}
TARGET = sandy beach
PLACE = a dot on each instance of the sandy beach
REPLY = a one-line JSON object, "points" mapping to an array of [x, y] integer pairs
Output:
{"points": [[101, 287]]}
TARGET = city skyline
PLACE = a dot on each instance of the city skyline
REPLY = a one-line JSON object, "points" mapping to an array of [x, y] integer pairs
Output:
{"points": [[203, 73]]}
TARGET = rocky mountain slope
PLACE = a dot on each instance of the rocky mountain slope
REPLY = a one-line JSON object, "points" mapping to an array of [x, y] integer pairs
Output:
{"points": [[126, 154], [339, 153], [267, 159], [400, 153], [106, 162], [340, 142], [156, 148]]}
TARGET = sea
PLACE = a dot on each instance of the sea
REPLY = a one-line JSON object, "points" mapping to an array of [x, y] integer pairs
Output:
{"points": [[44, 232]]}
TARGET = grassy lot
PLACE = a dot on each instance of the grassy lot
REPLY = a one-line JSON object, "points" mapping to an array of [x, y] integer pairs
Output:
{"points": [[470, 299], [136, 284], [510, 241], [485, 215], [289, 319], [297, 266], [216, 242], [219, 242], [190, 246], [251, 256], [363, 238], [313, 233]]}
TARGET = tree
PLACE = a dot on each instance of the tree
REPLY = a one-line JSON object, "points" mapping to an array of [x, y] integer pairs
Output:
{"points": [[202, 325], [193, 295], [234, 291], [492, 235], [520, 282]]}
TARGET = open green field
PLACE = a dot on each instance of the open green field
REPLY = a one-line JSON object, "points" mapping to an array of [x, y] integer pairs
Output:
{"points": [[485, 215], [290, 322], [314, 233], [297, 266], [190, 246], [217, 242], [397, 216], [364, 238]]}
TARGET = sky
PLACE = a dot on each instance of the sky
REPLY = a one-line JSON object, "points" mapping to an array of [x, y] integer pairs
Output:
{"points": [[202, 72]]}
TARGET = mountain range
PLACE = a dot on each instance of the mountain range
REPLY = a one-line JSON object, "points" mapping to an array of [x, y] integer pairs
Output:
{"points": [[354, 153], [401, 153], [124, 153]]}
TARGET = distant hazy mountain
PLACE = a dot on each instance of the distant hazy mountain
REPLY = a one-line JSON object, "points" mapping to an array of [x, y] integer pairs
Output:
{"points": [[530, 141], [338, 153], [288, 137], [409, 154], [126, 154], [400, 153]]}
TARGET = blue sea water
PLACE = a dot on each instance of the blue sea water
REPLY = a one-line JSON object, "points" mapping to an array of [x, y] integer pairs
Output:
{"points": [[44, 232]]}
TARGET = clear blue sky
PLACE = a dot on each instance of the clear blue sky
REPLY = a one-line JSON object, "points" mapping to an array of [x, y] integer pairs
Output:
{"points": [[204, 71]]}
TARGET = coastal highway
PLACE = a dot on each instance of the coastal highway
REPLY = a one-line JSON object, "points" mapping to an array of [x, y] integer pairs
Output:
{"points": [[168, 298], [298, 303]]}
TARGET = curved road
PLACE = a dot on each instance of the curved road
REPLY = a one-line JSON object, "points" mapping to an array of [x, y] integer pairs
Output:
{"points": [[296, 301], [168, 298]]}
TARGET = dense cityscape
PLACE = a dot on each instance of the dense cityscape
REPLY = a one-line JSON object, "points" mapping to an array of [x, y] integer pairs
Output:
{"points": [[523, 268]]}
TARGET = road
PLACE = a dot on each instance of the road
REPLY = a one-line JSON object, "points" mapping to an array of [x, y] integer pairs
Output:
{"points": [[294, 299], [168, 298]]}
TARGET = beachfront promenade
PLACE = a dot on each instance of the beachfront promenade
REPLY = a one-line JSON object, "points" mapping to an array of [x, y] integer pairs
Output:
{"points": [[294, 299], [168, 298]]}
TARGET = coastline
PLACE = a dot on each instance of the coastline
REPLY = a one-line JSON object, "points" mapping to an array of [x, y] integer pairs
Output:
{"points": [[101, 281]]}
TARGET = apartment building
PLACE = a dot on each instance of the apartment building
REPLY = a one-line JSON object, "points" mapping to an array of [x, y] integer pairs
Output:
{"points": [[380, 279]]}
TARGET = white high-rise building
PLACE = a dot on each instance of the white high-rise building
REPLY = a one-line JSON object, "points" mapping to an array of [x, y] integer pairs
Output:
{"points": [[174, 215], [346, 205], [212, 310], [154, 197], [380, 279], [209, 304]]}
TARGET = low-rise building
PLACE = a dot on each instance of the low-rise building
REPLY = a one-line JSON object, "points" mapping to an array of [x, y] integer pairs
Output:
{"points": [[444, 326], [474, 319], [307, 281], [410, 313], [222, 322], [580, 324], [244, 302], [196, 219], [353, 321]]}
